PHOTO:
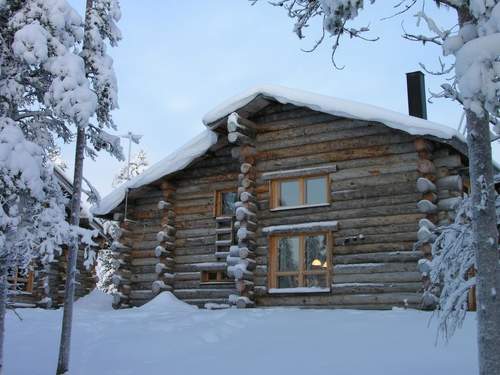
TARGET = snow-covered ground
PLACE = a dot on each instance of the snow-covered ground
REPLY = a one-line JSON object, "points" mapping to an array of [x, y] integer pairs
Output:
{"points": [[169, 337]]}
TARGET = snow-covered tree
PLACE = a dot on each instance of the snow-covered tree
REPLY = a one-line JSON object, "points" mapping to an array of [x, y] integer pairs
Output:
{"points": [[105, 271], [475, 84], [106, 266], [35, 38], [450, 272], [32, 216], [99, 29], [32, 208], [44, 92], [137, 165]]}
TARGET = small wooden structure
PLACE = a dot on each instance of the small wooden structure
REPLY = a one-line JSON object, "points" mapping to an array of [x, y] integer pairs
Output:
{"points": [[299, 200], [42, 285]]}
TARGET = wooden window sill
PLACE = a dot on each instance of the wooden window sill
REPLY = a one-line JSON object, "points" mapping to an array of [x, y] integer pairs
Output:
{"points": [[284, 208], [300, 290], [301, 172]]}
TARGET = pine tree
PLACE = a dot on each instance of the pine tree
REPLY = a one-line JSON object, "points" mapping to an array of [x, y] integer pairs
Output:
{"points": [[475, 45], [44, 92], [137, 165], [106, 262], [100, 17], [40, 81]]}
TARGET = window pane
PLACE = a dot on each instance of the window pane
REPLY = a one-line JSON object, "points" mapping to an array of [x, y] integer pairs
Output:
{"points": [[316, 253], [228, 199], [316, 190], [289, 193], [316, 281], [288, 282], [288, 254]]}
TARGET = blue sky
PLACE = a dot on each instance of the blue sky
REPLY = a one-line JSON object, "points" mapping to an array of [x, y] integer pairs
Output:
{"points": [[179, 59]]}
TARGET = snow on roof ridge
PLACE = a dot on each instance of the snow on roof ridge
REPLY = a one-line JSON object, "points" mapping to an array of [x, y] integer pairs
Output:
{"points": [[173, 162], [322, 103], [336, 107]]}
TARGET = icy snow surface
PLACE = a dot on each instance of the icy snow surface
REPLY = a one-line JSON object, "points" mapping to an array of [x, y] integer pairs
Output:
{"points": [[170, 164], [336, 107], [167, 336]]}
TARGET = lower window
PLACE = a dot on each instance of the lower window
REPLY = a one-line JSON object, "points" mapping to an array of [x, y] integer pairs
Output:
{"points": [[300, 261], [214, 277]]}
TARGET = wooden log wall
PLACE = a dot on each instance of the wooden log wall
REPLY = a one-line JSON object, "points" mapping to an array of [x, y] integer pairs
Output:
{"points": [[166, 241], [195, 224], [373, 197], [442, 190], [49, 283], [385, 185], [240, 260], [135, 252]]}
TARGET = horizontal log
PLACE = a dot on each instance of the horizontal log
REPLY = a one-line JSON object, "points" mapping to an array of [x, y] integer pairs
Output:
{"points": [[239, 138], [382, 299], [383, 179], [364, 238], [141, 277], [324, 214], [370, 288], [203, 293], [301, 172], [453, 182], [383, 277], [141, 294], [374, 155], [366, 268], [331, 136], [426, 207], [394, 256], [450, 161], [424, 185], [449, 204], [198, 258], [374, 248]]}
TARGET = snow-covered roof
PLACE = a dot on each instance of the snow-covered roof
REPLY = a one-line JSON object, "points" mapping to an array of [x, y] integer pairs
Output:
{"points": [[322, 103], [336, 107], [172, 163]]}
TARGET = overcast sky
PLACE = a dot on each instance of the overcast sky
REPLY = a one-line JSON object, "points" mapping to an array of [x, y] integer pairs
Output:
{"points": [[179, 59]]}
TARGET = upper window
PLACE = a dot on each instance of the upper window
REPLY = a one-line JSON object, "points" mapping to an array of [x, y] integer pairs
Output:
{"points": [[300, 261], [298, 192], [225, 201]]}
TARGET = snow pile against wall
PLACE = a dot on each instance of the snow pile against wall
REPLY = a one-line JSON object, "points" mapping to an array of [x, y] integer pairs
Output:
{"points": [[336, 107], [170, 164]]}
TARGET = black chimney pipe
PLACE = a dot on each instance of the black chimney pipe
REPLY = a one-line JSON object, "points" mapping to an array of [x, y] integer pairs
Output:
{"points": [[415, 83]]}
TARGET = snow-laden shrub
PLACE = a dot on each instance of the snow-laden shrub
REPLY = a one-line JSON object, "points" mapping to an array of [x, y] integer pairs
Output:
{"points": [[450, 269]]}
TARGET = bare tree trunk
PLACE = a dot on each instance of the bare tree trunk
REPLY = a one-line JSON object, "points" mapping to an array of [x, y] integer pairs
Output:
{"points": [[69, 291], [486, 239], [3, 305]]}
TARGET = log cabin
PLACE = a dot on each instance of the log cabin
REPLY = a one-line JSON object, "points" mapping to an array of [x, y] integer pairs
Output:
{"points": [[289, 198], [43, 284]]}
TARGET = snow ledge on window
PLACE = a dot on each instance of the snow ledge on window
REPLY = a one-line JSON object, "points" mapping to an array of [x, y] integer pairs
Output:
{"points": [[304, 227], [313, 289]]}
